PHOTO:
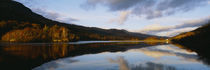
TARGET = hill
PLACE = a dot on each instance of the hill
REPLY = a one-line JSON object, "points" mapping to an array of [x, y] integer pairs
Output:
{"points": [[197, 40], [19, 24], [200, 36]]}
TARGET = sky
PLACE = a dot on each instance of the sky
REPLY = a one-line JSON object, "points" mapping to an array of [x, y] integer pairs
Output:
{"points": [[155, 17]]}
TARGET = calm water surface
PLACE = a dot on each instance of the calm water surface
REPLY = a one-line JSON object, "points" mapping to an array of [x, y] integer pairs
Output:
{"points": [[100, 55]]}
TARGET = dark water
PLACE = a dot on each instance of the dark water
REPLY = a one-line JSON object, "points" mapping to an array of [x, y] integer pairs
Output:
{"points": [[99, 55]]}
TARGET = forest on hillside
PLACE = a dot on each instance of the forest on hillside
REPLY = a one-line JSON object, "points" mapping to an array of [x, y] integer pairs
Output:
{"points": [[14, 31], [19, 24]]}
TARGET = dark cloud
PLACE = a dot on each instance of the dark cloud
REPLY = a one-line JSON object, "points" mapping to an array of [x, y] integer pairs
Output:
{"points": [[114, 5], [148, 8], [184, 5]]}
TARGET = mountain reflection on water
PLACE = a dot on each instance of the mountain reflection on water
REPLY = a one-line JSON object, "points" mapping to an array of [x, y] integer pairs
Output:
{"points": [[99, 56]]}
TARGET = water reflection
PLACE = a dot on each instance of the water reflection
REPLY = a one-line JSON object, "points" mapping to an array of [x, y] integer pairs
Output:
{"points": [[153, 66], [169, 50], [159, 57], [27, 56], [203, 53], [99, 56], [123, 65]]}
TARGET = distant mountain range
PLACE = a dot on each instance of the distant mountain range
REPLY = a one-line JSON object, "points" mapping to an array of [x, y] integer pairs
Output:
{"points": [[19, 24]]}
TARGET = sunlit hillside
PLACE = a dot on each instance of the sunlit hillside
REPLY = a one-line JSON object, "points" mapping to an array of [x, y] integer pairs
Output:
{"points": [[22, 25], [199, 36]]}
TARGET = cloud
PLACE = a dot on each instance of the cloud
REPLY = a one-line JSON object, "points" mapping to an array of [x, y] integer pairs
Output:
{"points": [[54, 15], [154, 28], [174, 30], [124, 15], [194, 23], [209, 2], [114, 5], [147, 8]]}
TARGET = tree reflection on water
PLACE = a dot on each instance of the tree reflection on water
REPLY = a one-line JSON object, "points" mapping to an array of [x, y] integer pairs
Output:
{"points": [[28, 56]]}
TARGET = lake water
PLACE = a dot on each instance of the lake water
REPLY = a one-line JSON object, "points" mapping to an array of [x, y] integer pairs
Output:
{"points": [[99, 55]]}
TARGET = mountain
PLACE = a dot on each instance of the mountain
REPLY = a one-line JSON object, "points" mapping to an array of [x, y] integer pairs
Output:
{"points": [[19, 24], [200, 36], [197, 40]]}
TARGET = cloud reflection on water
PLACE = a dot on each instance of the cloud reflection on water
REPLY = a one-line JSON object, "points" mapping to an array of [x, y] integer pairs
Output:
{"points": [[161, 57]]}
